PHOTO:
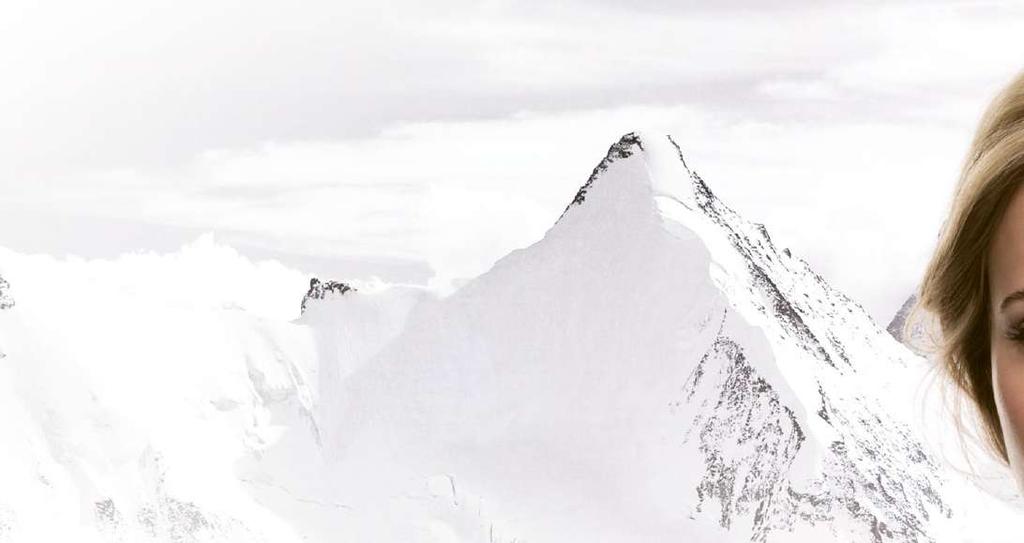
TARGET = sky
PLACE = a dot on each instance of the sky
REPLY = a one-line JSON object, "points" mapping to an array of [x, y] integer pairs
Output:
{"points": [[420, 142]]}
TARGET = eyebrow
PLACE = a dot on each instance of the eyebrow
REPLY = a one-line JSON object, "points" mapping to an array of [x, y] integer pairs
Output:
{"points": [[1018, 295]]}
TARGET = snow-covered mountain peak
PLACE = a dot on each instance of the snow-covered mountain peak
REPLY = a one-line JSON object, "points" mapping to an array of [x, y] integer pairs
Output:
{"points": [[650, 292], [627, 145], [656, 168], [653, 369], [643, 191], [654, 335]]}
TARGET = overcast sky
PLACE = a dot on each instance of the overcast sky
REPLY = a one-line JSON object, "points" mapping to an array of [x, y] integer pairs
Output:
{"points": [[421, 141]]}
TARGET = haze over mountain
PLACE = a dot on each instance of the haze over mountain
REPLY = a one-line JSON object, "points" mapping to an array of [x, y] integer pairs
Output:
{"points": [[653, 369]]}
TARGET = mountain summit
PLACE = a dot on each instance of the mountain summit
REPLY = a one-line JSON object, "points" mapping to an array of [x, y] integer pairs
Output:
{"points": [[653, 366], [653, 369]]}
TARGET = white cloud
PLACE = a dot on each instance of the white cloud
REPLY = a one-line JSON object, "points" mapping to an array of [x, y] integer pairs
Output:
{"points": [[120, 84], [203, 275], [453, 133]]}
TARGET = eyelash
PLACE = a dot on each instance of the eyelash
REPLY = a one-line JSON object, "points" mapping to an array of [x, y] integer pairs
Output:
{"points": [[1016, 332]]}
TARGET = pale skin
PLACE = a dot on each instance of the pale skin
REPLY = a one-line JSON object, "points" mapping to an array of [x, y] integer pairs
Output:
{"points": [[1006, 303]]}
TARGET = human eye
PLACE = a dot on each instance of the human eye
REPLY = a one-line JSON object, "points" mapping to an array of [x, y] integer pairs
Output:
{"points": [[1016, 331]]}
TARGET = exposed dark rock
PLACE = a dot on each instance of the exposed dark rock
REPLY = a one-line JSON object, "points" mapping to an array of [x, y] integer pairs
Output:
{"points": [[318, 290], [167, 518], [749, 438], [6, 301], [108, 518], [620, 149]]}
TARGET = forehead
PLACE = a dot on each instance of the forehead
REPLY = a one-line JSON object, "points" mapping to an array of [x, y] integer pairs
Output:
{"points": [[1006, 254]]}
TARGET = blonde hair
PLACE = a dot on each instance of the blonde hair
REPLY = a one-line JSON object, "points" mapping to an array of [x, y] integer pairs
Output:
{"points": [[955, 289]]}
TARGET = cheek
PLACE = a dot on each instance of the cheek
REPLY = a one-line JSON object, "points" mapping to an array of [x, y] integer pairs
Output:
{"points": [[1008, 386]]}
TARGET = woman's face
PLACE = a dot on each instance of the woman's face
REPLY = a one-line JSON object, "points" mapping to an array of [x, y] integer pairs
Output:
{"points": [[1006, 303]]}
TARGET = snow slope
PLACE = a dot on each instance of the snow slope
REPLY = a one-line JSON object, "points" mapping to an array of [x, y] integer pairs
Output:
{"points": [[653, 369]]}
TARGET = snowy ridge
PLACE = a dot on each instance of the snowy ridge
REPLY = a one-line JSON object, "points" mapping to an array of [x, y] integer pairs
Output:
{"points": [[883, 480]]}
